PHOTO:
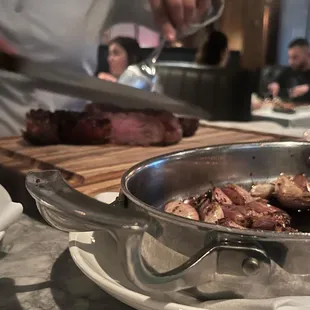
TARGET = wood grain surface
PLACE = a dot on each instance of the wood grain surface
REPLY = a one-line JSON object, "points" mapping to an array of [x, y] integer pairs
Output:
{"points": [[95, 169]]}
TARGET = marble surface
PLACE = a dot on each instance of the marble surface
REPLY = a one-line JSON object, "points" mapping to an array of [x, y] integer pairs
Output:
{"points": [[38, 273]]}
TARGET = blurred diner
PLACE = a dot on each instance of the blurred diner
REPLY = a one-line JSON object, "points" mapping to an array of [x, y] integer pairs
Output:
{"points": [[214, 51], [294, 82], [122, 52]]}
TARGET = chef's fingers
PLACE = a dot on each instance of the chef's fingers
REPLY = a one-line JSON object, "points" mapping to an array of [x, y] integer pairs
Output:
{"points": [[203, 6], [189, 7], [177, 14], [162, 19], [175, 11], [6, 48], [106, 77]]}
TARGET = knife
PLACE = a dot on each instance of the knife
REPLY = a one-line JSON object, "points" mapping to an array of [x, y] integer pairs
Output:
{"points": [[77, 85]]}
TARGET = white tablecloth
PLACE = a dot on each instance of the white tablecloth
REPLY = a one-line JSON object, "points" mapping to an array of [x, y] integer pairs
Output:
{"points": [[267, 127], [300, 119]]}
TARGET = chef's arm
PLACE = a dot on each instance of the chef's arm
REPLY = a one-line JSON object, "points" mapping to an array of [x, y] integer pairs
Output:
{"points": [[168, 13], [132, 11]]}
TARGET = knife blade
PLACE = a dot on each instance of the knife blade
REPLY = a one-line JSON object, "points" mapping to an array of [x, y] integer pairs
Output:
{"points": [[77, 85]]}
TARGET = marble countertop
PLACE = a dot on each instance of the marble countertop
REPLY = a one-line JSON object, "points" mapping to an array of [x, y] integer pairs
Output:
{"points": [[38, 273]]}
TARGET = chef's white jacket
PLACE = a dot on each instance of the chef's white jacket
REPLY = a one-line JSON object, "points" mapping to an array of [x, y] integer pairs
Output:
{"points": [[65, 33]]}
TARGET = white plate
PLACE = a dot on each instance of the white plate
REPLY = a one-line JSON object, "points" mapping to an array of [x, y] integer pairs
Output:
{"points": [[97, 259]]}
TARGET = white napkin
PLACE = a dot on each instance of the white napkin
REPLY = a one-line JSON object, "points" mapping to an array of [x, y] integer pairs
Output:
{"points": [[283, 303], [10, 211]]}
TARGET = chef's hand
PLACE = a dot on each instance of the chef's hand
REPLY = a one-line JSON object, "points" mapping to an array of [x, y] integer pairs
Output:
{"points": [[274, 89], [176, 14], [6, 48], [107, 77], [299, 90]]}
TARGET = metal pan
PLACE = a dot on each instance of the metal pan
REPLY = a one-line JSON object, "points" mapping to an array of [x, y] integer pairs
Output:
{"points": [[208, 261]]}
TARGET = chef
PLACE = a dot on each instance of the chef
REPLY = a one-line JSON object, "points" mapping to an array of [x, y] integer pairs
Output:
{"points": [[67, 34]]}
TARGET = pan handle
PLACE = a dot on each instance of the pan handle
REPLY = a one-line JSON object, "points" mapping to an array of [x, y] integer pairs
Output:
{"points": [[69, 210]]}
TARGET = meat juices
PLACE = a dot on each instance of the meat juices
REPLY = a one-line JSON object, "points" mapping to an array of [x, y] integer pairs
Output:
{"points": [[233, 206]]}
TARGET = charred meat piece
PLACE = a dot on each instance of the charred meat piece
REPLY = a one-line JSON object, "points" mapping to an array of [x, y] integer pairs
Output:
{"points": [[41, 128], [261, 207], [266, 223], [220, 197], [302, 182], [233, 206], [211, 212], [264, 190], [181, 209], [237, 194], [82, 129], [101, 123], [189, 126], [257, 209], [229, 223], [291, 195], [236, 214]]}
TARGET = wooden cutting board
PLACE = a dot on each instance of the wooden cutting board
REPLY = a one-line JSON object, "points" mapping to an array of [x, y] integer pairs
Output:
{"points": [[94, 169]]}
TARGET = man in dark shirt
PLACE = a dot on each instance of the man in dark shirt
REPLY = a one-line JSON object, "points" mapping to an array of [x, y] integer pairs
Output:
{"points": [[294, 83]]}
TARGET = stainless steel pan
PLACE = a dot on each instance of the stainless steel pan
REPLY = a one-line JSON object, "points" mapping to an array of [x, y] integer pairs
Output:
{"points": [[207, 261]]}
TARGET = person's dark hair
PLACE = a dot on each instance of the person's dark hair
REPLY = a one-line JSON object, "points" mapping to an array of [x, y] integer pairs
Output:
{"points": [[212, 50], [131, 46], [299, 42]]}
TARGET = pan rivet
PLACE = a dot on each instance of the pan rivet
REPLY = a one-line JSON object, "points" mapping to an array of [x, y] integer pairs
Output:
{"points": [[250, 266]]}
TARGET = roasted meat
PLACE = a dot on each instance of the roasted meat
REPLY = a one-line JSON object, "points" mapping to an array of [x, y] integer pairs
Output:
{"points": [[82, 129], [229, 223], [181, 209], [221, 197], [237, 194], [264, 190], [45, 128], [292, 193], [189, 126], [103, 123], [237, 214], [211, 212], [233, 206], [143, 128], [41, 128]]}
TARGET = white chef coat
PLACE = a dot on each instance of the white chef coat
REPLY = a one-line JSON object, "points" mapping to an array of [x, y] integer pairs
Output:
{"points": [[63, 33]]}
